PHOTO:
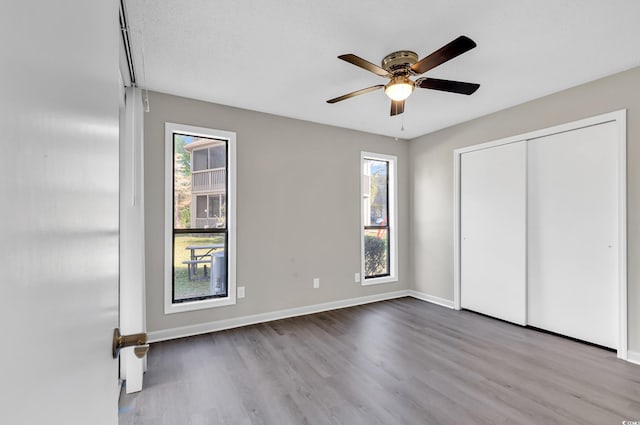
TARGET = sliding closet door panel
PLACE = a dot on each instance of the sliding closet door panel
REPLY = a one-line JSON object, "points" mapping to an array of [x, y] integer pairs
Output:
{"points": [[572, 233], [492, 231]]}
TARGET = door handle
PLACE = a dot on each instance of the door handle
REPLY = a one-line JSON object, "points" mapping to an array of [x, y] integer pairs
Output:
{"points": [[138, 341]]}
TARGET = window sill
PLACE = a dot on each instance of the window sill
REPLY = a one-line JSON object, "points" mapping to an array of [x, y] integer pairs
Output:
{"points": [[379, 280], [171, 308]]}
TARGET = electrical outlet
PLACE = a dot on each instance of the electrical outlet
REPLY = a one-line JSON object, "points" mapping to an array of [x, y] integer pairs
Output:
{"points": [[316, 282], [240, 291], [356, 278]]}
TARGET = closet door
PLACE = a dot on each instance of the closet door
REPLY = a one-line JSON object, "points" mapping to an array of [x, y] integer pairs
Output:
{"points": [[572, 233], [493, 231]]}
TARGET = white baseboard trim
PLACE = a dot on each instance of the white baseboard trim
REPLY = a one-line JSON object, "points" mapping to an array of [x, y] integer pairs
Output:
{"points": [[236, 322], [633, 357], [431, 298]]}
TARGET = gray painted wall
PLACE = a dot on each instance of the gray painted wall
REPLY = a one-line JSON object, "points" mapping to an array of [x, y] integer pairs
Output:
{"points": [[298, 209], [431, 176]]}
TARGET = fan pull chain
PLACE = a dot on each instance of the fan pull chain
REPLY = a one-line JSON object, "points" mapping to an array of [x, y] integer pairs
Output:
{"points": [[402, 128]]}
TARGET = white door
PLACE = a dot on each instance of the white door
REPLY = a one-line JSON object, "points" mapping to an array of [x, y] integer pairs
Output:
{"points": [[59, 215], [492, 231], [573, 228]]}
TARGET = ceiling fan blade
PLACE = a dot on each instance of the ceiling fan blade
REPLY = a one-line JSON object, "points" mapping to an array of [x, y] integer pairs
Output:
{"points": [[397, 107], [455, 48], [447, 85], [355, 93], [358, 61]]}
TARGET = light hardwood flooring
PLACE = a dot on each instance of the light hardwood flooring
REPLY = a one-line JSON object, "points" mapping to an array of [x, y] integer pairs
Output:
{"points": [[394, 362]]}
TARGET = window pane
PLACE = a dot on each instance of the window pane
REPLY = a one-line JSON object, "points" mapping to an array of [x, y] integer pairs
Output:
{"points": [[214, 206], [195, 187], [216, 210], [218, 156], [222, 218], [376, 200], [199, 267], [376, 252], [201, 207], [200, 160]]}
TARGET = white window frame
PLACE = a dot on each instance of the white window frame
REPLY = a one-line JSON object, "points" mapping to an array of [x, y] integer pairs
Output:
{"points": [[169, 306], [392, 218]]}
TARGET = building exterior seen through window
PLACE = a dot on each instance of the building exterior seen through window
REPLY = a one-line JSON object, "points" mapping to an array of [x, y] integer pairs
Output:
{"points": [[199, 218]]}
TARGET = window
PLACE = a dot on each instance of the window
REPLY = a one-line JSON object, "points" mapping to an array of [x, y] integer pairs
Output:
{"points": [[199, 218], [209, 158], [211, 206], [379, 206]]}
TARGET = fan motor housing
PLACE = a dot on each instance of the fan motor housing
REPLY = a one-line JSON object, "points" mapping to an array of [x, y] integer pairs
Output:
{"points": [[400, 60]]}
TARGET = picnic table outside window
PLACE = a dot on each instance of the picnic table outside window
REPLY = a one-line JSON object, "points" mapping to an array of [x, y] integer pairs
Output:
{"points": [[200, 254]]}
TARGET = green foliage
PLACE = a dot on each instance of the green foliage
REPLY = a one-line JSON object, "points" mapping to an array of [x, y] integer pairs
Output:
{"points": [[185, 216], [182, 182], [375, 255], [183, 158]]}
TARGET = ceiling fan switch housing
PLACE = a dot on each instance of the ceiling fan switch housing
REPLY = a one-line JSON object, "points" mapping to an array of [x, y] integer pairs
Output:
{"points": [[399, 60]]}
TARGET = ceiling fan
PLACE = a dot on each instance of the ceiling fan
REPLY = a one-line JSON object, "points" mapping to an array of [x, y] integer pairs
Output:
{"points": [[399, 66]]}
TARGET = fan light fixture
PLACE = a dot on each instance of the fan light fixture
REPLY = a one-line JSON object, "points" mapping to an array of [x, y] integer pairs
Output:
{"points": [[399, 89]]}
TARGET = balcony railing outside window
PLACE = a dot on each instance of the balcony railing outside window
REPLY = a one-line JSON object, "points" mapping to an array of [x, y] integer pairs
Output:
{"points": [[208, 180]]}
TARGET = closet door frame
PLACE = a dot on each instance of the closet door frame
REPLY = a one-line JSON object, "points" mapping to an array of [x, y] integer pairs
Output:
{"points": [[620, 119]]}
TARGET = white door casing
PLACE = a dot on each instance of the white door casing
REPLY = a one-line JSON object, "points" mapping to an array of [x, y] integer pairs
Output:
{"points": [[492, 230], [132, 259], [59, 90]]}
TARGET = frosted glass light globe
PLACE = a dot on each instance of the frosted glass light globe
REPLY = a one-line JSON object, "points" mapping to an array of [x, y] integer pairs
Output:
{"points": [[399, 90]]}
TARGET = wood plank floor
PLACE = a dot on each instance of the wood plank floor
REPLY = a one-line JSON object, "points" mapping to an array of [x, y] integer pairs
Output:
{"points": [[394, 362]]}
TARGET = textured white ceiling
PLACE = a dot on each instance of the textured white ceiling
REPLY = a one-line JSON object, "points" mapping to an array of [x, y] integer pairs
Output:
{"points": [[280, 56]]}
